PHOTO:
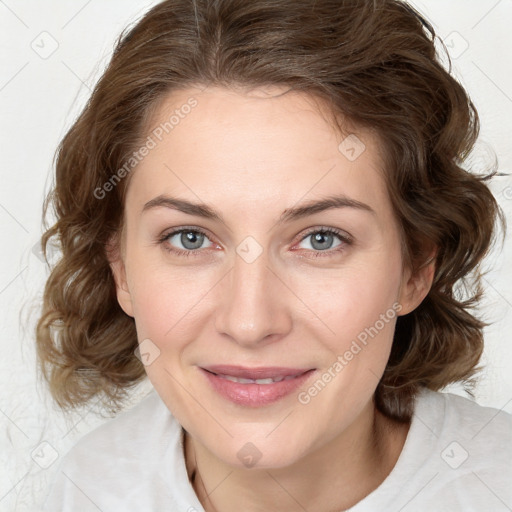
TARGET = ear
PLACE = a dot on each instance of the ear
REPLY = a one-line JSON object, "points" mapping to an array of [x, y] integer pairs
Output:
{"points": [[415, 286], [115, 258]]}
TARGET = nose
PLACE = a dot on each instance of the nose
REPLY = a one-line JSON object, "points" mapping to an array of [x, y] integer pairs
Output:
{"points": [[252, 306]]}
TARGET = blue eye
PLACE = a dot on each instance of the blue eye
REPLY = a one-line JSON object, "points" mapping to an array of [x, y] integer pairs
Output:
{"points": [[190, 240], [322, 240]]}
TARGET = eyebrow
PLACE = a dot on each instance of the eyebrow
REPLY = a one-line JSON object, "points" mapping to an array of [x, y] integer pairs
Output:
{"points": [[207, 212]]}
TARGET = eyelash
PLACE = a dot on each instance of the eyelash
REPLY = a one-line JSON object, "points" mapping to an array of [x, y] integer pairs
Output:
{"points": [[181, 252], [344, 238]]}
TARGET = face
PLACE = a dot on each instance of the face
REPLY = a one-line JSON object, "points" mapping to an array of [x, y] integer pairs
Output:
{"points": [[226, 261]]}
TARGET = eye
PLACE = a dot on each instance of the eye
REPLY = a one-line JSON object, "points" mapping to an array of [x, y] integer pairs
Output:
{"points": [[324, 240], [185, 241], [189, 241]]}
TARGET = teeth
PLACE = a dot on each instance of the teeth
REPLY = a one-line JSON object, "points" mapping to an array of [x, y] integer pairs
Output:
{"points": [[269, 380]]}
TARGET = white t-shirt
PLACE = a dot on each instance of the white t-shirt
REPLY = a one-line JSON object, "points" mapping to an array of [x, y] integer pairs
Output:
{"points": [[457, 457]]}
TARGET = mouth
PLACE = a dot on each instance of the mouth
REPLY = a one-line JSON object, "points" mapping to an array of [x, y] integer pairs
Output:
{"points": [[255, 387]]}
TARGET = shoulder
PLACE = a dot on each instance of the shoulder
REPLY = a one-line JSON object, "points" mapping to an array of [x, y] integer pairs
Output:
{"points": [[467, 426], [460, 417], [144, 424], [126, 464], [472, 450]]}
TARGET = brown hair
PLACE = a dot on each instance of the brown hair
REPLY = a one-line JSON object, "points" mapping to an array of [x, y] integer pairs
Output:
{"points": [[371, 61]]}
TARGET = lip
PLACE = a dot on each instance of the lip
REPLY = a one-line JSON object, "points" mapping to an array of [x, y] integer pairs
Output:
{"points": [[253, 394], [262, 372]]}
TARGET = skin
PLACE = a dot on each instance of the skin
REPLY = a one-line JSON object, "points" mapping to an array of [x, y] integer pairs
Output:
{"points": [[251, 156]]}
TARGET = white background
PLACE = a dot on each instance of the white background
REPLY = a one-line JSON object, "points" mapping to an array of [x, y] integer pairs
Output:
{"points": [[40, 98]]}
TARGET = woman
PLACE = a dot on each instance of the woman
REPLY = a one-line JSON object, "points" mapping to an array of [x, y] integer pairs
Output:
{"points": [[263, 208]]}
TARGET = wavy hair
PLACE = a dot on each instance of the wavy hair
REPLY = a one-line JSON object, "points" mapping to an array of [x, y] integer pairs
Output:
{"points": [[372, 62]]}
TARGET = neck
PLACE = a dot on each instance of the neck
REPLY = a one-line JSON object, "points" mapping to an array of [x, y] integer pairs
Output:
{"points": [[332, 478]]}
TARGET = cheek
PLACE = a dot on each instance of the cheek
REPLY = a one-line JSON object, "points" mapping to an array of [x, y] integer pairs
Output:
{"points": [[166, 303], [372, 300], [354, 297], [366, 327], [361, 308]]}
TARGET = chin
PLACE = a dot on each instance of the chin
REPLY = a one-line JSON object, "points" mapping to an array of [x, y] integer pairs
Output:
{"points": [[257, 453]]}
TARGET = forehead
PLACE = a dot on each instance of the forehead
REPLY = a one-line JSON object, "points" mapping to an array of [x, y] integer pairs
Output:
{"points": [[267, 146]]}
